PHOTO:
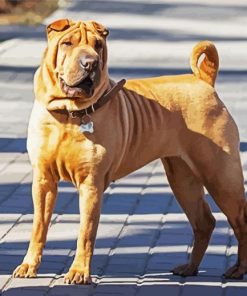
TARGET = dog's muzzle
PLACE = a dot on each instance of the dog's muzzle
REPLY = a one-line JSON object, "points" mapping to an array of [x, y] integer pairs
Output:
{"points": [[85, 85]]}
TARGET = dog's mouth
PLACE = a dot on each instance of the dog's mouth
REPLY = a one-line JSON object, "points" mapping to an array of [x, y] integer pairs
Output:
{"points": [[85, 86]]}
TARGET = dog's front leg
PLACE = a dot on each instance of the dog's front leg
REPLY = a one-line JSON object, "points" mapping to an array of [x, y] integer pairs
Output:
{"points": [[44, 191], [90, 204]]}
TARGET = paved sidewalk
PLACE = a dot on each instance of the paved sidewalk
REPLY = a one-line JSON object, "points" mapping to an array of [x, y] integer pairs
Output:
{"points": [[142, 232]]}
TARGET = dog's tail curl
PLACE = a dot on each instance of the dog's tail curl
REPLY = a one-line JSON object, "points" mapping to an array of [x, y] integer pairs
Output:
{"points": [[207, 70]]}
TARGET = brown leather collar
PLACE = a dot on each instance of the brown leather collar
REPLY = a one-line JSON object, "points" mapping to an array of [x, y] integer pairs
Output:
{"points": [[102, 101]]}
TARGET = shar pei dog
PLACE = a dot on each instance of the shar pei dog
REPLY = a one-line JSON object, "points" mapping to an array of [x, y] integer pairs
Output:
{"points": [[89, 130]]}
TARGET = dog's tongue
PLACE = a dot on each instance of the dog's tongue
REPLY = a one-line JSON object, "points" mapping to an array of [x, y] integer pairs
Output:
{"points": [[71, 92], [75, 91]]}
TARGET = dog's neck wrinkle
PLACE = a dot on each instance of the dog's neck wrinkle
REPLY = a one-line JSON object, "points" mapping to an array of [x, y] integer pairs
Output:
{"points": [[109, 92]]}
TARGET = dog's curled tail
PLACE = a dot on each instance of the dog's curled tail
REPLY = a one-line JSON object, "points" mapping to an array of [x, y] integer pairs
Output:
{"points": [[208, 68]]}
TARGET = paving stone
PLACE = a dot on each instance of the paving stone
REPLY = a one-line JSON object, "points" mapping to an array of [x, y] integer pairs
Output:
{"points": [[170, 250], [55, 255], [24, 189], [11, 210], [147, 209], [233, 240], [213, 261], [4, 162], [175, 208], [13, 251], [120, 203], [71, 208], [166, 261], [176, 227], [171, 239], [135, 182], [98, 264], [23, 292], [69, 290], [117, 218], [10, 258], [117, 208], [136, 227], [138, 240], [231, 260], [7, 221], [9, 267], [216, 249], [156, 180], [221, 240], [52, 267], [20, 237], [121, 290], [58, 288], [189, 290], [18, 203], [136, 252], [109, 229], [11, 177], [6, 190], [236, 291], [3, 281], [39, 283], [160, 289], [177, 217], [214, 271], [58, 243], [125, 267]]}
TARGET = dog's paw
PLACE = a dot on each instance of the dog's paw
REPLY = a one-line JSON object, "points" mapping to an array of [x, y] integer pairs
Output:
{"points": [[25, 271], [185, 270], [236, 272], [75, 276]]}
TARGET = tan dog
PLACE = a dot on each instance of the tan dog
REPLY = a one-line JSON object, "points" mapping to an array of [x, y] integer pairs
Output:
{"points": [[179, 119]]}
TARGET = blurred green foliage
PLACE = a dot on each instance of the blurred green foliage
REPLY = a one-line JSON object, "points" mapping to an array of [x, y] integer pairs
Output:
{"points": [[28, 12]]}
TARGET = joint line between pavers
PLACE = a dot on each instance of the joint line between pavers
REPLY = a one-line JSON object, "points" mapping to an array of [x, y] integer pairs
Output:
{"points": [[8, 44], [11, 161]]}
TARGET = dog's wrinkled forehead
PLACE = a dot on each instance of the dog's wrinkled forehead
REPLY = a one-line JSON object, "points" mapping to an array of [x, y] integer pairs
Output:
{"points": [[64, 26]]}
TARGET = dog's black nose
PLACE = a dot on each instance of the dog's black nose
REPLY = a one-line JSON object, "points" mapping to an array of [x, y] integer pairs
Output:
{"points": [[89, 63]]}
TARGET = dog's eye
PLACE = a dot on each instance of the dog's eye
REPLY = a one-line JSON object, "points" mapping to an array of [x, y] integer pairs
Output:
{"points": [[67, 43], [98, 44]]}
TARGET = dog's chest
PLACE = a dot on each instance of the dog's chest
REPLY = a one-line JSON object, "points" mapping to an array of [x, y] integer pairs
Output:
{"points": [[64, 149], [74, 156]]}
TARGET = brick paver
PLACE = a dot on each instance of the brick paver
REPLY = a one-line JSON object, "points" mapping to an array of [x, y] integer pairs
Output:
{"points": [[143, 232]]}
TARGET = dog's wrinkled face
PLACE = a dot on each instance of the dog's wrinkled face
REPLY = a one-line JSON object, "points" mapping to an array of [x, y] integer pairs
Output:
{"points": [[80, 57]]}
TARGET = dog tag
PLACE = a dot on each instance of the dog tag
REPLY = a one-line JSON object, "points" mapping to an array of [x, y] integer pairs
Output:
{"points": [[87, 127]]}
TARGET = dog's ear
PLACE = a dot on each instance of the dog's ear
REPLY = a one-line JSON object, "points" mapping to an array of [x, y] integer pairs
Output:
{"points": [[58, 26], [100, 29]]}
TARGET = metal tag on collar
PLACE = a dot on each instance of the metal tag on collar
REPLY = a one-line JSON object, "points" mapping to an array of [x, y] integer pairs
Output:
{"points": [[86, 124], [72, 114]]}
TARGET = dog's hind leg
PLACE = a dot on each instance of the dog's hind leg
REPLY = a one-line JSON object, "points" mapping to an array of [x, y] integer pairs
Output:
{"points": [[189, 192], [226, 185], [239, 225]]}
